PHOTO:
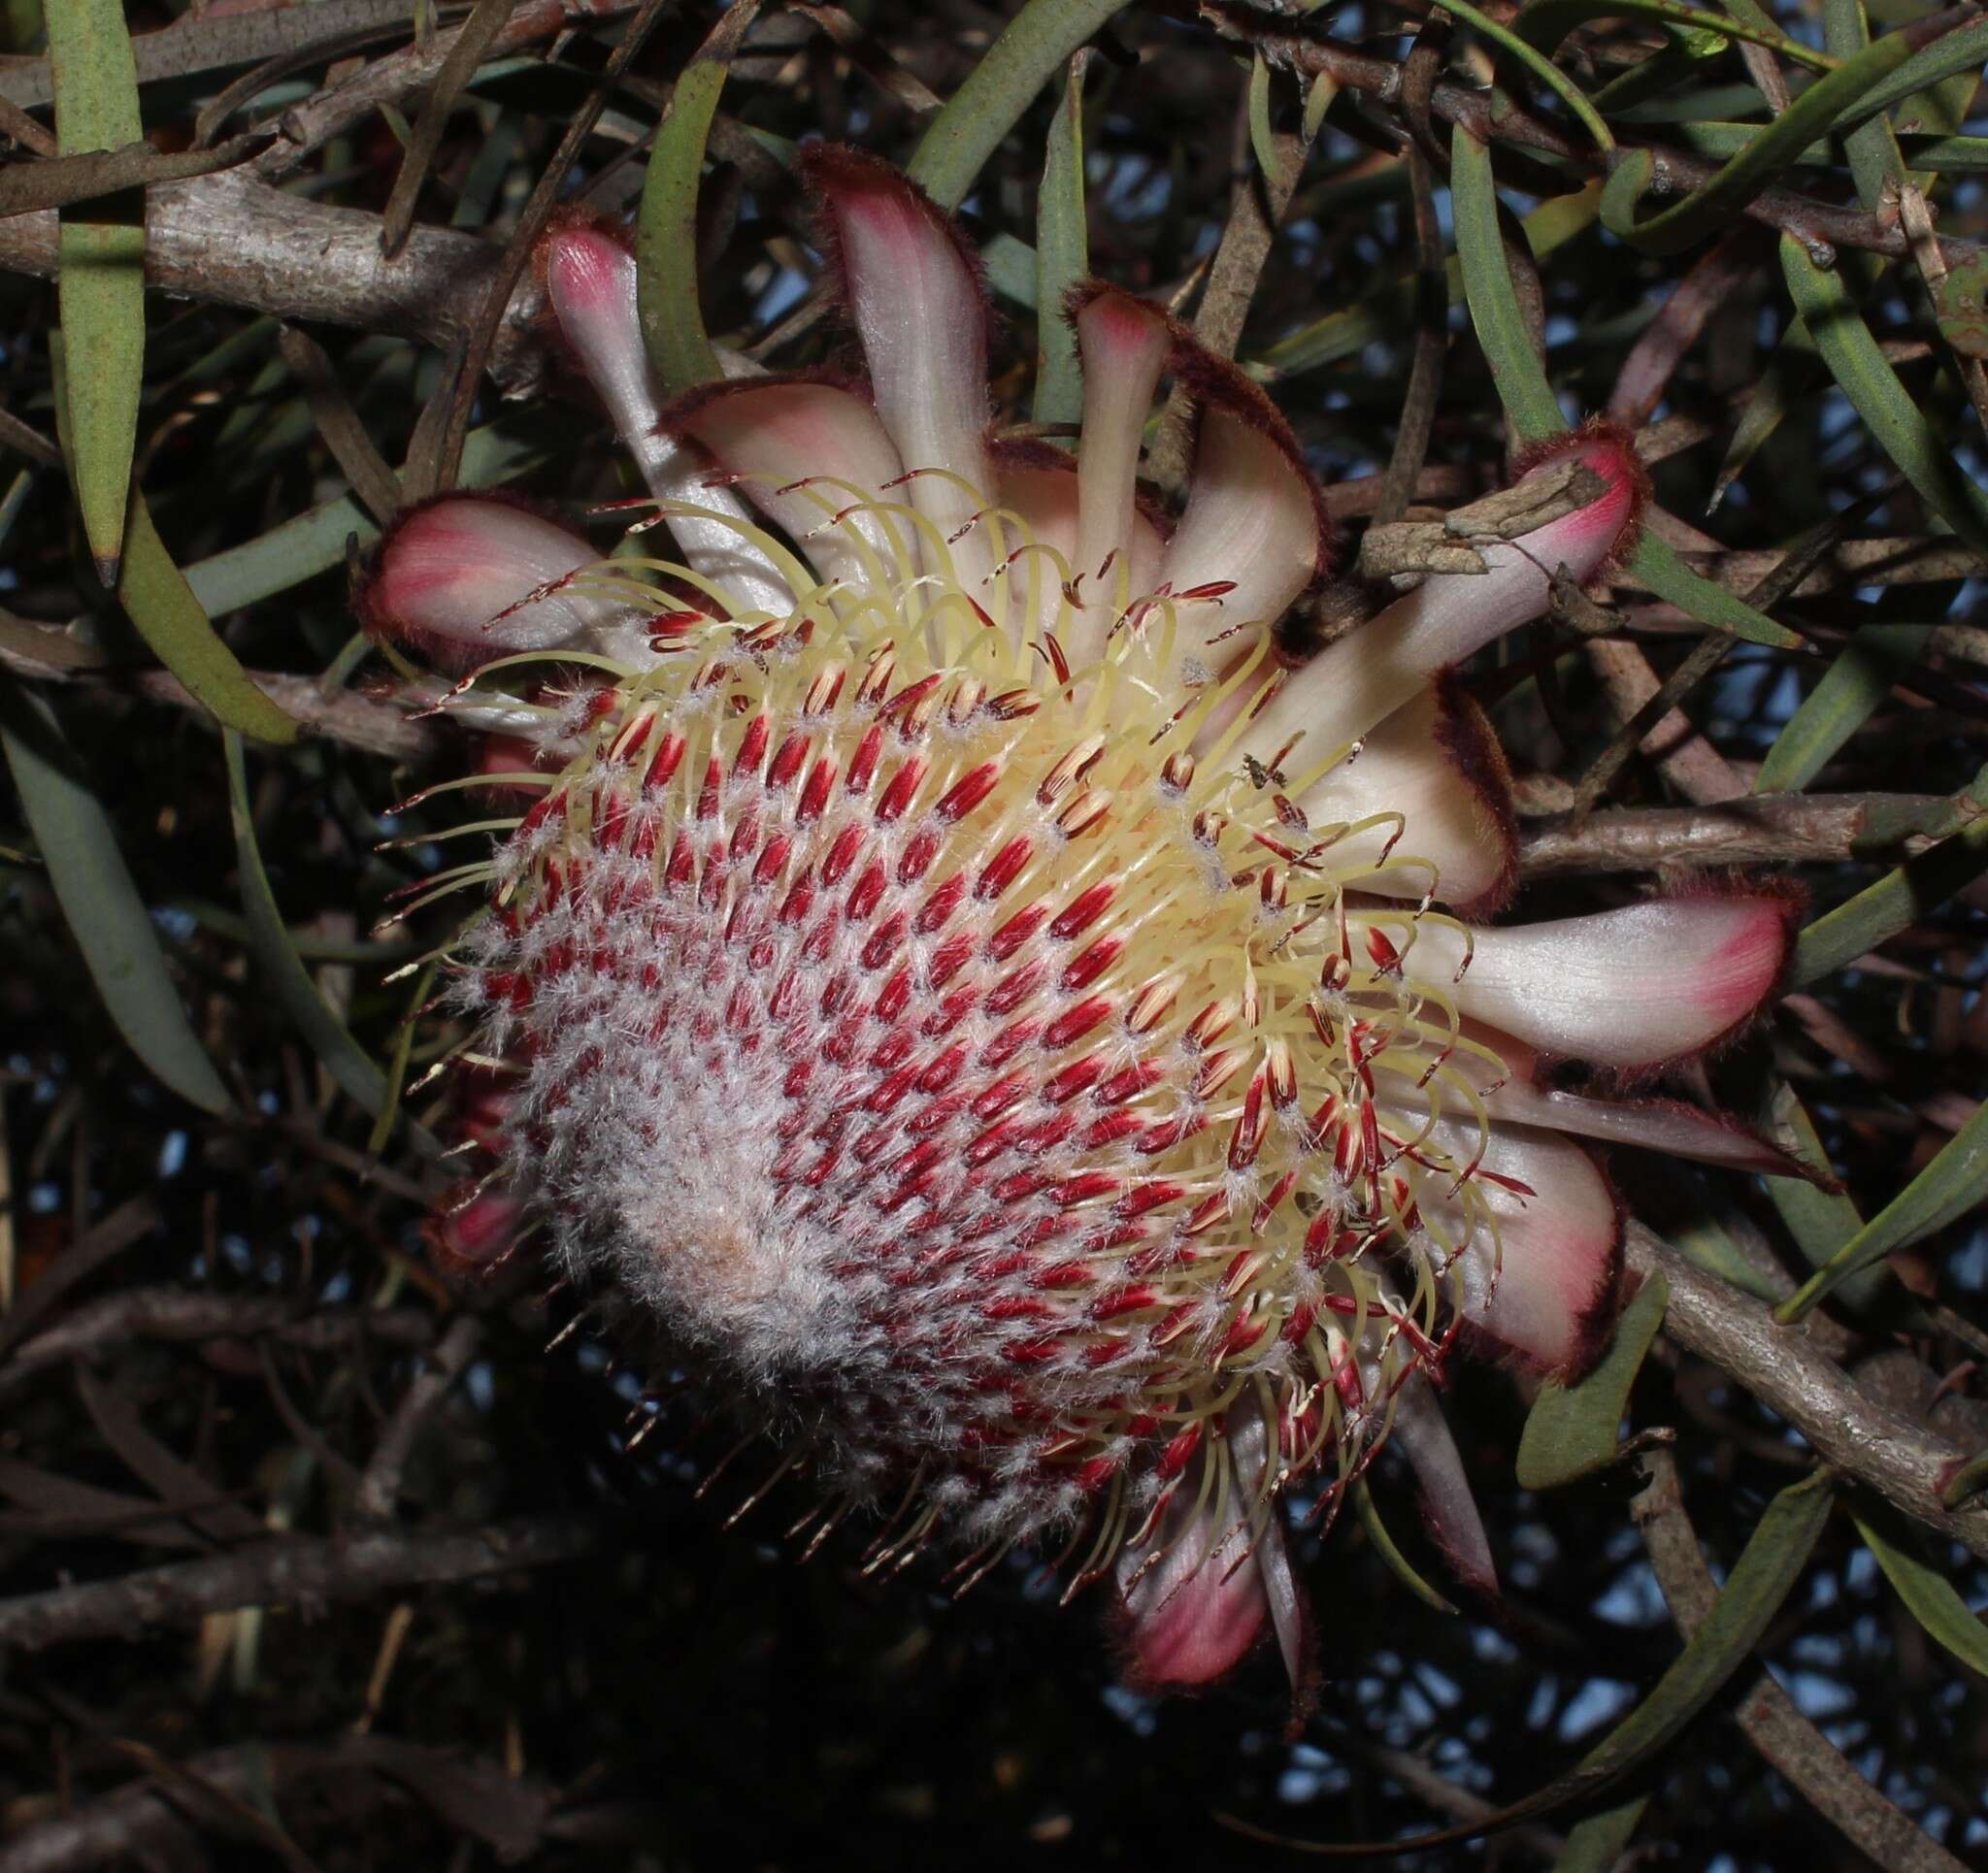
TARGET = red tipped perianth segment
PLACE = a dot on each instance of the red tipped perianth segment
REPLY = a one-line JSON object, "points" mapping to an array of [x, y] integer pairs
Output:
{"points": [[1481, 883], [1255, 535], [1192, 1612], [1364, 677], [1450, 1510], [590, 283], [1634, 987], [582, 262], [915, 295], [1602, 534], [468, 578], [1546, 1287], [475, 1231], [811, 453], [1195, 1598], [1124, 343]]}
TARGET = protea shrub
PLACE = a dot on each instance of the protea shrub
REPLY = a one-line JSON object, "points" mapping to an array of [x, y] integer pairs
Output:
{"points": [[1035, 1048]]}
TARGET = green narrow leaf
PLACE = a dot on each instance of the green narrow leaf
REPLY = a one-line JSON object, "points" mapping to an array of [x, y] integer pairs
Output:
{"points": [[1705, 209], [397, 1067], [1544, 23], [158, 600], [1384, 314], [1720, 138], [1501, 327], [100, 278], [1872, 147], [1953, 1183], [1262, 141], [1821, 1221], [353, 1071], [1571, 1430], [1317, 102], [666, 226], [1960, 304], [1967, 1481], [1529, 400], [1948, 56], [1647, 84], [1926, 123], [107, 917], [1874, 391], [1838, 706], [1544, 70], [1895, 903], [1755, 14], [476, 203], [1010, 269], [1399, 1564], [1925, 152], [1761, 1580], [1930, 1598], [1031, 51], [1062, 256], [1704, 1239], [157, 597], [1656, 565], [1596, 1844], [1767, 408]]}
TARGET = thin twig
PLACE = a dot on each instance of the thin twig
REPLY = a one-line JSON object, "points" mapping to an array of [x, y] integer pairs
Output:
{"points": [[482, 333], [1670, 738], [1256, 206], [1765, 1713], [1300, 47], [180, 1314], [1646, 373], [1917, 219], [379, 1485], [130, 1222], [297, 1569], [1425, 1781], [1778, 829], [29, 440], [142, 1823], [192, 44], [57, 181], [337, 423], [1432, 345], [1654, 722], [307, 127], [1787, 1369]]}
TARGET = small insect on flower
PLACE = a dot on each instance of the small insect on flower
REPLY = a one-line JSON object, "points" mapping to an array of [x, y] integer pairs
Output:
{"points": [[996, 1019]]}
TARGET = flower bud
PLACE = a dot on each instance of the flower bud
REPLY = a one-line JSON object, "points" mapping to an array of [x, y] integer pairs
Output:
{"points": [[473, 576]]}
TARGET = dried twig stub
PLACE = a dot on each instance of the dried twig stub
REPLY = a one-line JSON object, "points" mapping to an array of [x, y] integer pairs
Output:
{"points": [[1409, 549]]}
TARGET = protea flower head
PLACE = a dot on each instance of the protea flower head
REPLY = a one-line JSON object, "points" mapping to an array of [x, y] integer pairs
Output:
{"points": [[993, 1016]]}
